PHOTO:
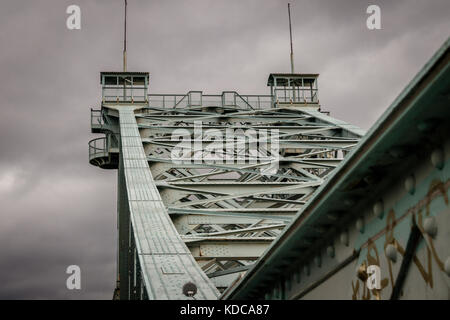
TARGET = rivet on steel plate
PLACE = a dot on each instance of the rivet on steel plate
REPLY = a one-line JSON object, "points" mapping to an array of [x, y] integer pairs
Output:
{"points": [[430, 226], [438, 159], [391, 252], [410, 184], [378, 209]]}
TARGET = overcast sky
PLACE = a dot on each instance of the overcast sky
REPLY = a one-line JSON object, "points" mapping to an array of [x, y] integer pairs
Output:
{"points": [[56, 209]]}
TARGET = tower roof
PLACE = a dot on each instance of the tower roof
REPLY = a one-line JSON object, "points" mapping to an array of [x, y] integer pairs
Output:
{"points": [[118, 73], [282, 78]]}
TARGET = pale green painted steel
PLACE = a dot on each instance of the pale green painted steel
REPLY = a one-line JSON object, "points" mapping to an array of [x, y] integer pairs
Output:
{"points": [[223, 215], [415, 125], [164, 259]]}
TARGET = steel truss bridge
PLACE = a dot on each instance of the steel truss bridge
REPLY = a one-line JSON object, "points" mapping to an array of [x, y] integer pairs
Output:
{"points": [[203, 220]]}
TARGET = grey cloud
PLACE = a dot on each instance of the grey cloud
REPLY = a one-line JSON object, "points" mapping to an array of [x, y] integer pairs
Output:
{"points": [[56, 209]]}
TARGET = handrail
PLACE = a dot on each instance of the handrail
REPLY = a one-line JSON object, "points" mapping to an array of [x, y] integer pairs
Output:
{"points": [[121, 93], [97, 148], [299, 96], [251, 101], [176, 104], [262, 101], [96, 114], [101, 147], [243, 100], [164, 100]]}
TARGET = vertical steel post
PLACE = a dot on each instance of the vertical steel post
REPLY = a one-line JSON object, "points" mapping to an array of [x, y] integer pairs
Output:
{"points": [[290, 35], [125, 41], [125, 54], [292, 50]]}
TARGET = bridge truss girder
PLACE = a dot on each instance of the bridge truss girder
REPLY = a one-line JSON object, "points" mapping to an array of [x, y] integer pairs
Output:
{"points": [[225, 213]]}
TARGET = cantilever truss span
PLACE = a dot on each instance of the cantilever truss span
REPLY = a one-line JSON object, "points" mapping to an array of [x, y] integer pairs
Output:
{"points": [[207, 221]]}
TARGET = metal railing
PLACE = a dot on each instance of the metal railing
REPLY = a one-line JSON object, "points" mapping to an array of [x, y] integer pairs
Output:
{"points": [[196, 98], [97, 148], [101, 147], [120, 93], [258, 101], [298, 96], [96, 118], [167, 100]]}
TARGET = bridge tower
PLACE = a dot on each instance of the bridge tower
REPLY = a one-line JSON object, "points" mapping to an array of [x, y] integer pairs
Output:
{"points": [[294, 89], [207, 182]]}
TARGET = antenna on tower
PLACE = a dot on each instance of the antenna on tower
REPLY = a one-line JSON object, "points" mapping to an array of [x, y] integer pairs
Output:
{"points": [[125, 41], [290, 34]]}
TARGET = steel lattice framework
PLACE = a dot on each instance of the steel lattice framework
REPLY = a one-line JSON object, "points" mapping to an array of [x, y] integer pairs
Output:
{"points": [[206, 221]]}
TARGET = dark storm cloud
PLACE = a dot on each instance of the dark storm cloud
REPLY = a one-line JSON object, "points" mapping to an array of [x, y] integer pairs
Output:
{"points": [[56, 210]]}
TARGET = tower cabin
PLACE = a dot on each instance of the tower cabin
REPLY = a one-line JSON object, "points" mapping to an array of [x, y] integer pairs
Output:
{"points": [[293, 89], [124, 87]]}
